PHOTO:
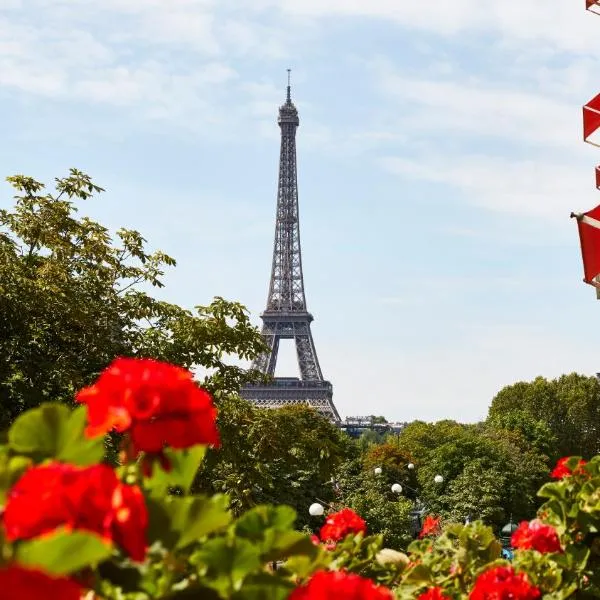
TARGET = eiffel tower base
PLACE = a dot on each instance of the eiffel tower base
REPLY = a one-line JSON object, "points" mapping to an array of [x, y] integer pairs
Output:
{"points": [[286, 391]]}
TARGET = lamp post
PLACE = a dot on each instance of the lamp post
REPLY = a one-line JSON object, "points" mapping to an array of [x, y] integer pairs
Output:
{"points": [[419, 508]]}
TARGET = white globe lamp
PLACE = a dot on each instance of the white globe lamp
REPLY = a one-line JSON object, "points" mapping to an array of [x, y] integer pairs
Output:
{"points": [[410, 466], [397, 488], [377, 470], [438, 479], [315, 510]]}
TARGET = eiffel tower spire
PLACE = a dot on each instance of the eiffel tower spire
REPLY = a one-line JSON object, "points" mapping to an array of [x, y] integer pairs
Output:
{"points": [[286, 315]]}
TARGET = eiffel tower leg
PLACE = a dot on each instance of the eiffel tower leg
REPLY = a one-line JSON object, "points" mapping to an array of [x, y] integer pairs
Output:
{"points": [[267, 362], [307, 355]]}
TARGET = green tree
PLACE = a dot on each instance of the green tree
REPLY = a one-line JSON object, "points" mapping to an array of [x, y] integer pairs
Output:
{"points": [[418, 438], [368, 438], [568, 406], [371, 497], [72, 299], [488, 475], [393, 463], [536, 432], [284, 456], [378, 420]]}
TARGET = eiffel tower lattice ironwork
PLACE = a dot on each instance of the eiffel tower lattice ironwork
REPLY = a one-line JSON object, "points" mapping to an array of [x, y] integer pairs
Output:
{"points": [[286, 315]]}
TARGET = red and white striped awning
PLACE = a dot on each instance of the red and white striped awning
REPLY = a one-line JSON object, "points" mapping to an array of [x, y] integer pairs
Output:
{"points": [[588, 224], [593, 6], [591, 121]]}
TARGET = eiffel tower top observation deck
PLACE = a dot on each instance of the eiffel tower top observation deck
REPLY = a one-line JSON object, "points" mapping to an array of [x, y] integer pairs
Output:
{"points": [[286, 315]]}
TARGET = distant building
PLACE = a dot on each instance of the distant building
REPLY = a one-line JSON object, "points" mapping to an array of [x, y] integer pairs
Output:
{"points": [[356, 426]]}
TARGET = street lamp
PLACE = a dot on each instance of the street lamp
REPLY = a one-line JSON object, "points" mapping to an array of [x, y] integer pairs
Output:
{"points": [[419, 509], [377, 470], [410, 466], [316, 510]]}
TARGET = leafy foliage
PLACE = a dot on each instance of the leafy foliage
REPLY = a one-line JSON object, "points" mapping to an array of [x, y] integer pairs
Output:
{"points": [[488, 473], [569, 407], [285, 456], [370, 495], [72, 299], [199, 549]]}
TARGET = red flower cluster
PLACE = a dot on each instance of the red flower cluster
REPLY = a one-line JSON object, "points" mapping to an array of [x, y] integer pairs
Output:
{"points": [[26, 584], [337, 585], [502, 583], [431, 526], [435, 593], [90, 499], [536, 535], [561, 470], [159, 404], [340, 524]]}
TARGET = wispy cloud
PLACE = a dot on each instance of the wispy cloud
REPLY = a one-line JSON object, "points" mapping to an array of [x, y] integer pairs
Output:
{"points": [[553, 23], [530, 188]]}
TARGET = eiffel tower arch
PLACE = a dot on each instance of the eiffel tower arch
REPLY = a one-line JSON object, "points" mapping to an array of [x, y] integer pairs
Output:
{"points": [[286, 315]]}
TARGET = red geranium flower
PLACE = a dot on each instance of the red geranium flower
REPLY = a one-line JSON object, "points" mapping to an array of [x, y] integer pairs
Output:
{"points": [[90, 499], [338, 585], [340, 524], [435, 593], [159, 404], [502, 583], [27, 584], [431, 526], [561, 470], [536, 535]]}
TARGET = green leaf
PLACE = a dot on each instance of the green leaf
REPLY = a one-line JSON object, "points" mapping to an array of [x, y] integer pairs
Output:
{"points": [[577, 556], [262, 586], [303, 566], [254, 523], [271, 528], [37, 431], [74, 446], [197, 516], [226, 562], [54, 431], [290, 543], [63, 552], [160, 522], [553, 489], [184, 465]]}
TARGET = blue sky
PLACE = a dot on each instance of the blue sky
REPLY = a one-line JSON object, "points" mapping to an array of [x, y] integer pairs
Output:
{"points": [[440, 155]]}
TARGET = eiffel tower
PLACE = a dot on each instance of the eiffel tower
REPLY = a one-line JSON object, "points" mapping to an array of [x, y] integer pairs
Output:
{"points": [[286, 316]]}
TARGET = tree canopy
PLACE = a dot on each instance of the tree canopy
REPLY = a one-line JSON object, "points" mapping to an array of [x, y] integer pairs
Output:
{"points": [[568, 407], [288, 455], [72, 298]]}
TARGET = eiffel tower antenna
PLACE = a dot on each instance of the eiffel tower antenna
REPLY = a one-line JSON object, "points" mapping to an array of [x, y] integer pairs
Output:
{"points": [[286, 315]]}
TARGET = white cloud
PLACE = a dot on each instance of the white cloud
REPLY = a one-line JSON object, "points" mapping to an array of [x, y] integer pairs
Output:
{"points": [[532, 188], [558, 24], [471, 106]]}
